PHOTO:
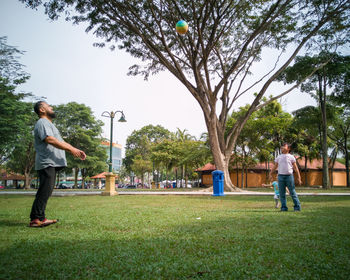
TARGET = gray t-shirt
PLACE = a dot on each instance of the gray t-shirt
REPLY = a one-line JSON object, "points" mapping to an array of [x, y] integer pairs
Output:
{"points": [[46, 154]]}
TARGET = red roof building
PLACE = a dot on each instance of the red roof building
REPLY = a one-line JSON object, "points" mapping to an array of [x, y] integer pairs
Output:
{"points": [[258, 174]]}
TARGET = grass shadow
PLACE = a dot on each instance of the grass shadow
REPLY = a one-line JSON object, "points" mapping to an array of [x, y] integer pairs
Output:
{"points": [[12, 223]]}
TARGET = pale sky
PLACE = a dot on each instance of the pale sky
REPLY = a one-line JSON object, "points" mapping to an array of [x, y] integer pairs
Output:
{"points": [[65, 66]]}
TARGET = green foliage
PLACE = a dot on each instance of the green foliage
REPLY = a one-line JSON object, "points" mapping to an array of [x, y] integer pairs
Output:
{"points": [[263, 133], [335, 73], [331, 76], [140, 142], [141, 166], [194, 154], [166, 153], [306, 127], [79, 128], [10, 68], [341, 82], [22, 158], [162, 237], [145, 29], [339, 132], [182, 151], [13, 111]]}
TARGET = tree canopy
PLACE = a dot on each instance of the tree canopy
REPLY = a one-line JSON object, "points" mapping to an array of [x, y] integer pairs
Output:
{"points": [[140, 143], [79, 127], [331, 77], [13, 111]]}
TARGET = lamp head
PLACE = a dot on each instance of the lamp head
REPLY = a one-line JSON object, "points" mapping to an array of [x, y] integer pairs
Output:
{"points": [[122, 118]]}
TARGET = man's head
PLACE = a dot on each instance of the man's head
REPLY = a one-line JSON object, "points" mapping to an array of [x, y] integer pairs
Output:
{"points": [[285, 148], [42, 109]]}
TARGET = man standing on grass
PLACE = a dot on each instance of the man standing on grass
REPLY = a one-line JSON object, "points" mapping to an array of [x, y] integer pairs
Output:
{"points": [[285, 163], [50, 158]]}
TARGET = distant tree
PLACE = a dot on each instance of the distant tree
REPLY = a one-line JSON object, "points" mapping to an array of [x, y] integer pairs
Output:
{"points": [[318, 86], [22, 157], [10, 68], [262, 136], [13, 111], [165, 155], [339, 132], [306, 128], [213, 60], [140, 143], [192, 154], [341, 83], [141, 166], [182, 136], [79, 127]]}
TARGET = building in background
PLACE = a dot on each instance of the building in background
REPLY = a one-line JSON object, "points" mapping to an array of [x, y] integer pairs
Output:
{"points": [[116, 154]]}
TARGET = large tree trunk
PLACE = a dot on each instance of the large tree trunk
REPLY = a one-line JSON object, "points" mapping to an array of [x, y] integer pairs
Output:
{"points": [[346, 154], [322, 100], [76, 171], [222, 163], [221, 154], [27, 180], [306, 173], [347, 168]]}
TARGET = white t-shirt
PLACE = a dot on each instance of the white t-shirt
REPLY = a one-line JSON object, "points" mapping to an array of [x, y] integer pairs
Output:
{"points": [[285, 164]]}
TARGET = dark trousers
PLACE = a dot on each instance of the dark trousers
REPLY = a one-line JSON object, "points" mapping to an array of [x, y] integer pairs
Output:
{"points": [[47, 178]]}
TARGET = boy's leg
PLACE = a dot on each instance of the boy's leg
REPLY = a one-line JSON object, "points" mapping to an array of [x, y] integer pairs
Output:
{"points": [[276, 198], [293, 194], [282, 191], [47, 182]]}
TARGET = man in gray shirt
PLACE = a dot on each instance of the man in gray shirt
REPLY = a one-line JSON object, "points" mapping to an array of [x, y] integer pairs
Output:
{"points": [[50, 157]]}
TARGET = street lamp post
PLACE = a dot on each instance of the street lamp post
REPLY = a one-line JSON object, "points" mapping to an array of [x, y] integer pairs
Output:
{"points": [[110, 177]]}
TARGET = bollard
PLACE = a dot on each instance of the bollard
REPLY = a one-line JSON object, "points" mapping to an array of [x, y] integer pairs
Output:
{"points": [[110, 185], [218, 183]]}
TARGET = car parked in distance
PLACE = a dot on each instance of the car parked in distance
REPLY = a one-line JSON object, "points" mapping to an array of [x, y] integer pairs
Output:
{"points": [[130, 187], [65, 185]]}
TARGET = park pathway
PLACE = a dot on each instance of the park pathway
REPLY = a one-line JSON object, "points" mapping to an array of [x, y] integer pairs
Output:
{"points": [[189, 193]]}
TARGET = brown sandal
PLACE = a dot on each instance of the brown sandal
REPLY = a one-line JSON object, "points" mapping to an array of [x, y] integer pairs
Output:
{"points": [[47, 222], [35, 223], [44, 223]]}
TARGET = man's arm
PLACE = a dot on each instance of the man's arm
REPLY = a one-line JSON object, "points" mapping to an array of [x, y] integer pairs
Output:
{"points": [[296, 169], [65, 146]]}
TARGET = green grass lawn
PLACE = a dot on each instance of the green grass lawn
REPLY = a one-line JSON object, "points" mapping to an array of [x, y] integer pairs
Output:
{"points": [[176, 237]]}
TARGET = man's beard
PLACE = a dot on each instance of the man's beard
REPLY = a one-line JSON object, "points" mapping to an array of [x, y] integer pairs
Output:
{"points": [[51, 115]]}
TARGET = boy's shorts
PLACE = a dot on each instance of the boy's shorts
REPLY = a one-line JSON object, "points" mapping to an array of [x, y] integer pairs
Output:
{"points": [[276, 196]]}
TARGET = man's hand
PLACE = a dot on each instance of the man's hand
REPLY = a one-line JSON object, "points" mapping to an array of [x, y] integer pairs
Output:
{"points": [[78, 153], [299, 181]]}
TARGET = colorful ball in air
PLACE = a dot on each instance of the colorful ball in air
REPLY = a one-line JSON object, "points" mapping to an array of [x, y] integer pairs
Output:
{"points": [[181, 27]]}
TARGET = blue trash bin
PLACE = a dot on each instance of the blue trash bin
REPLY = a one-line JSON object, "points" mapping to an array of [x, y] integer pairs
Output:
{"points": [[218, 183], [174, 185]]}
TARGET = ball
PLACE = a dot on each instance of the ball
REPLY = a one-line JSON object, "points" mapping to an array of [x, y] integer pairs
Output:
{"points": [[181, 27]]}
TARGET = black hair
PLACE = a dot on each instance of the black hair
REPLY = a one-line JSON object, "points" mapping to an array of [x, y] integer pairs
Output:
{"points": [[37, 107], [289, 145]]}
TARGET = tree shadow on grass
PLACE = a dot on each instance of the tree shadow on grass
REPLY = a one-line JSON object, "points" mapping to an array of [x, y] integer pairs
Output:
{"points": [[12, 223]]}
